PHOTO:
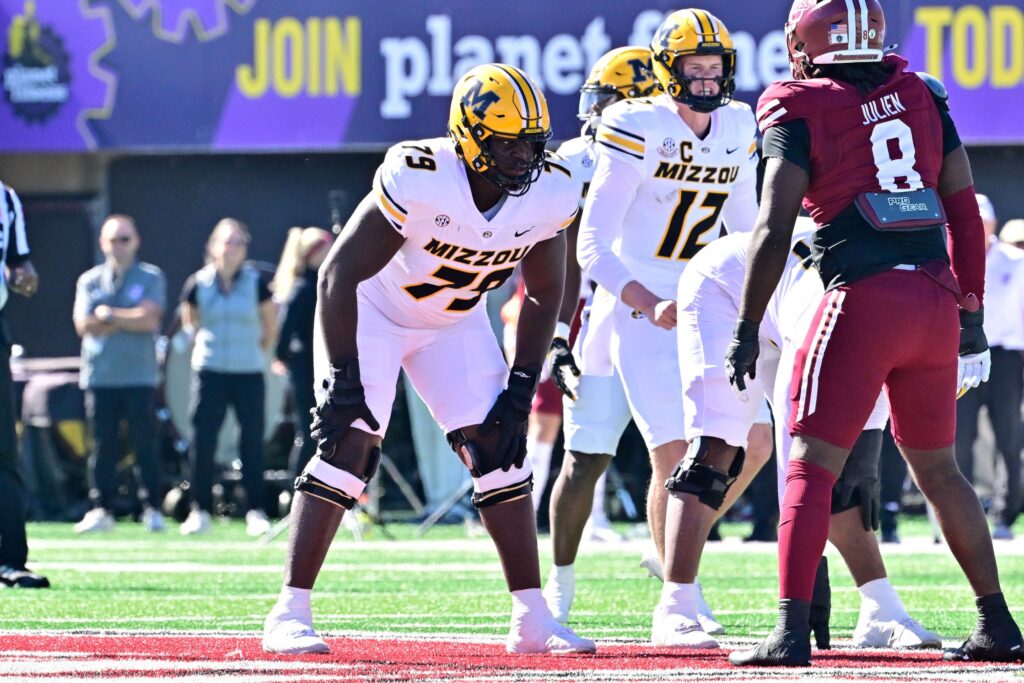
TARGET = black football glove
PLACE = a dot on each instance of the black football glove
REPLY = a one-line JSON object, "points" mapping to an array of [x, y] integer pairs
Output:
{"points": [[344, 403], [860, 478], [562, 364], [741, 356], [509, 414], [972, 334]]}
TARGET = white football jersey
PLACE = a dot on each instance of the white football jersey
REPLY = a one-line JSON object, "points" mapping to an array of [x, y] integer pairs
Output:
{"points": [[452, 254], [799, 290], [580, 155], [684, 187]]}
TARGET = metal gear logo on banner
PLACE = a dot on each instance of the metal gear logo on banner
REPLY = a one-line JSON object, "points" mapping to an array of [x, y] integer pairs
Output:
{"points": [[36, 77]]}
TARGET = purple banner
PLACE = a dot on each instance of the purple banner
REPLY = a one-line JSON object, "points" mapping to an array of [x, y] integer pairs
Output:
{"points": [[216, 75]]}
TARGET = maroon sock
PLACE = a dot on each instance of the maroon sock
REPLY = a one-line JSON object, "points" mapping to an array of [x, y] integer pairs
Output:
{"points": [[803, 527]]}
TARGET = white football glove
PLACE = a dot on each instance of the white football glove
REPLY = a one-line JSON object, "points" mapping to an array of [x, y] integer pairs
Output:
{"points": [[972, 370]]}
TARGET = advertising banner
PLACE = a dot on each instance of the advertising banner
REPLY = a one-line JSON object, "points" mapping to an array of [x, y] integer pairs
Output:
{"points": [[270, 75]]}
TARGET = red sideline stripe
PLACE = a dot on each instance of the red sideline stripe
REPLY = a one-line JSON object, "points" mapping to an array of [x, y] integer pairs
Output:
{"points": [[354, 657]]}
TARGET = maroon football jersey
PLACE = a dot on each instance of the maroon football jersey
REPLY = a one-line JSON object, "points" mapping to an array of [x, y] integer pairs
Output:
{"points": [[889, 139]]}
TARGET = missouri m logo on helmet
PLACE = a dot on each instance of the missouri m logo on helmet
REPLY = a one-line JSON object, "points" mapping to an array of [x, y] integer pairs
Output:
{"points": [[499, 102], [693, 32], [833, 32], [622, 73]]}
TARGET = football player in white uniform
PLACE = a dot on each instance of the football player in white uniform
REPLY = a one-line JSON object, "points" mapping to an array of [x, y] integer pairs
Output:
{"points": [[672, 169], [718, 419], [447, 220]]}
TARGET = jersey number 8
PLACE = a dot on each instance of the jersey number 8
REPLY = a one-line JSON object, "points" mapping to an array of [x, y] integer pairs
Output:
{"points": [[892, 143]]}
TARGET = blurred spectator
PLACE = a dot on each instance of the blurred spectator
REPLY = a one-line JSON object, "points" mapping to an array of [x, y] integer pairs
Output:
{"points": [[16, 275], [893, 477], [118, 308], [1004, 327], [295, 287], [229, 307]]}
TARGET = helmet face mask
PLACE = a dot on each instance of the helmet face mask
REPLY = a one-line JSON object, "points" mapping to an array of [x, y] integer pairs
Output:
{"points": [[694, 33], [499, 123], [620, 74]]}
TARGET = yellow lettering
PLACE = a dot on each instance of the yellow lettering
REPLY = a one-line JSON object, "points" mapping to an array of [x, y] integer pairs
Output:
{"points": [[342, 56], [252, 80], [313, 56], [934, 20], [970, 28], [288, 70], [1007, 46]]}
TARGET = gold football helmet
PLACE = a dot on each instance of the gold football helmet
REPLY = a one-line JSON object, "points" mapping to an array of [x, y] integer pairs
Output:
{"points": [[499, 102], [693, 32], [621, 74]]}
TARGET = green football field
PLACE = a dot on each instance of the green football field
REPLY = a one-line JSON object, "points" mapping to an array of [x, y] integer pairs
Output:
{"points": [[445, 583]]}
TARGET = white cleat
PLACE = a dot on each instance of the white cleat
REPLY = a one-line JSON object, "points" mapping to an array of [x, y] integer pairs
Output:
{"points": [[95, 521], [551, 638], [197, 522], [291, 635], [705, 616], [601, 531], [677, 630], [653, 566], [905, 634], [256, 523], [153, 520], [559, 598]]}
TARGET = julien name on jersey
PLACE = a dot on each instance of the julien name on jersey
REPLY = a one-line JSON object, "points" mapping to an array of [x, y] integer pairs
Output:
{"points": [[452, 255], [688, 185]]}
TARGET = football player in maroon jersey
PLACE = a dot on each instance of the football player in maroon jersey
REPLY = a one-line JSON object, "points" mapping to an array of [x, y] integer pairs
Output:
{"points": [[871, 151]]}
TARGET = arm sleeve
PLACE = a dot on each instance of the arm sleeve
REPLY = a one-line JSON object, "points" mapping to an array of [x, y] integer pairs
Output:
{"points": [[612, 191], [188, 292], [966, 241], [790, 141]]}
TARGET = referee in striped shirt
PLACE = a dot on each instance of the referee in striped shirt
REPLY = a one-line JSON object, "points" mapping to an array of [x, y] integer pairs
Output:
{"points": [[17, 275]]}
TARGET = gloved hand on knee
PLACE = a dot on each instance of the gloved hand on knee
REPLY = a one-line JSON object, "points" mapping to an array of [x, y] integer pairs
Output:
{"points": [[344, 403], [509, 414]]}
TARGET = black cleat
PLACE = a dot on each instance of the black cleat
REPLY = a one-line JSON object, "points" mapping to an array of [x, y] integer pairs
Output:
{"points": [[982, 647], [789, 643], [821, 607], [19, 577], [996, 638]]}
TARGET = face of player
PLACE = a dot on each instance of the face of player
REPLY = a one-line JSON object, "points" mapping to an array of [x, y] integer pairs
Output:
{"points": [[513, 156], [701, 71]]}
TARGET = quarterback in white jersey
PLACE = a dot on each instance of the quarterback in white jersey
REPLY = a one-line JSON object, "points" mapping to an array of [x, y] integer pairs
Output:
{"points": [[447, 221], [709, 301], [674, 169]]}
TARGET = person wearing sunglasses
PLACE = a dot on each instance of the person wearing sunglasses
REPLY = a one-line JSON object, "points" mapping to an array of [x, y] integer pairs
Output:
{"points": [[118, 308]]}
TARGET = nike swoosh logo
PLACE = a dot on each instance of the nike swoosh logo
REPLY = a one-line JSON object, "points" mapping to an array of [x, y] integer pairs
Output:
{"points": [[730, 151], [520, 234]]}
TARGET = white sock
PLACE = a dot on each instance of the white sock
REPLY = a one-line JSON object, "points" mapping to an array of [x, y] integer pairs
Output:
{"points": [[528, 600], [679, 598], [563, 575], [598, 517], [293, 600], [539, 453], [878, 600]]}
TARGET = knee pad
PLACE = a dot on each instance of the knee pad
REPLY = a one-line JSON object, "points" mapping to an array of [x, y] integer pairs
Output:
{"points": [[710, 485], [342, 478], [491, 485]]}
